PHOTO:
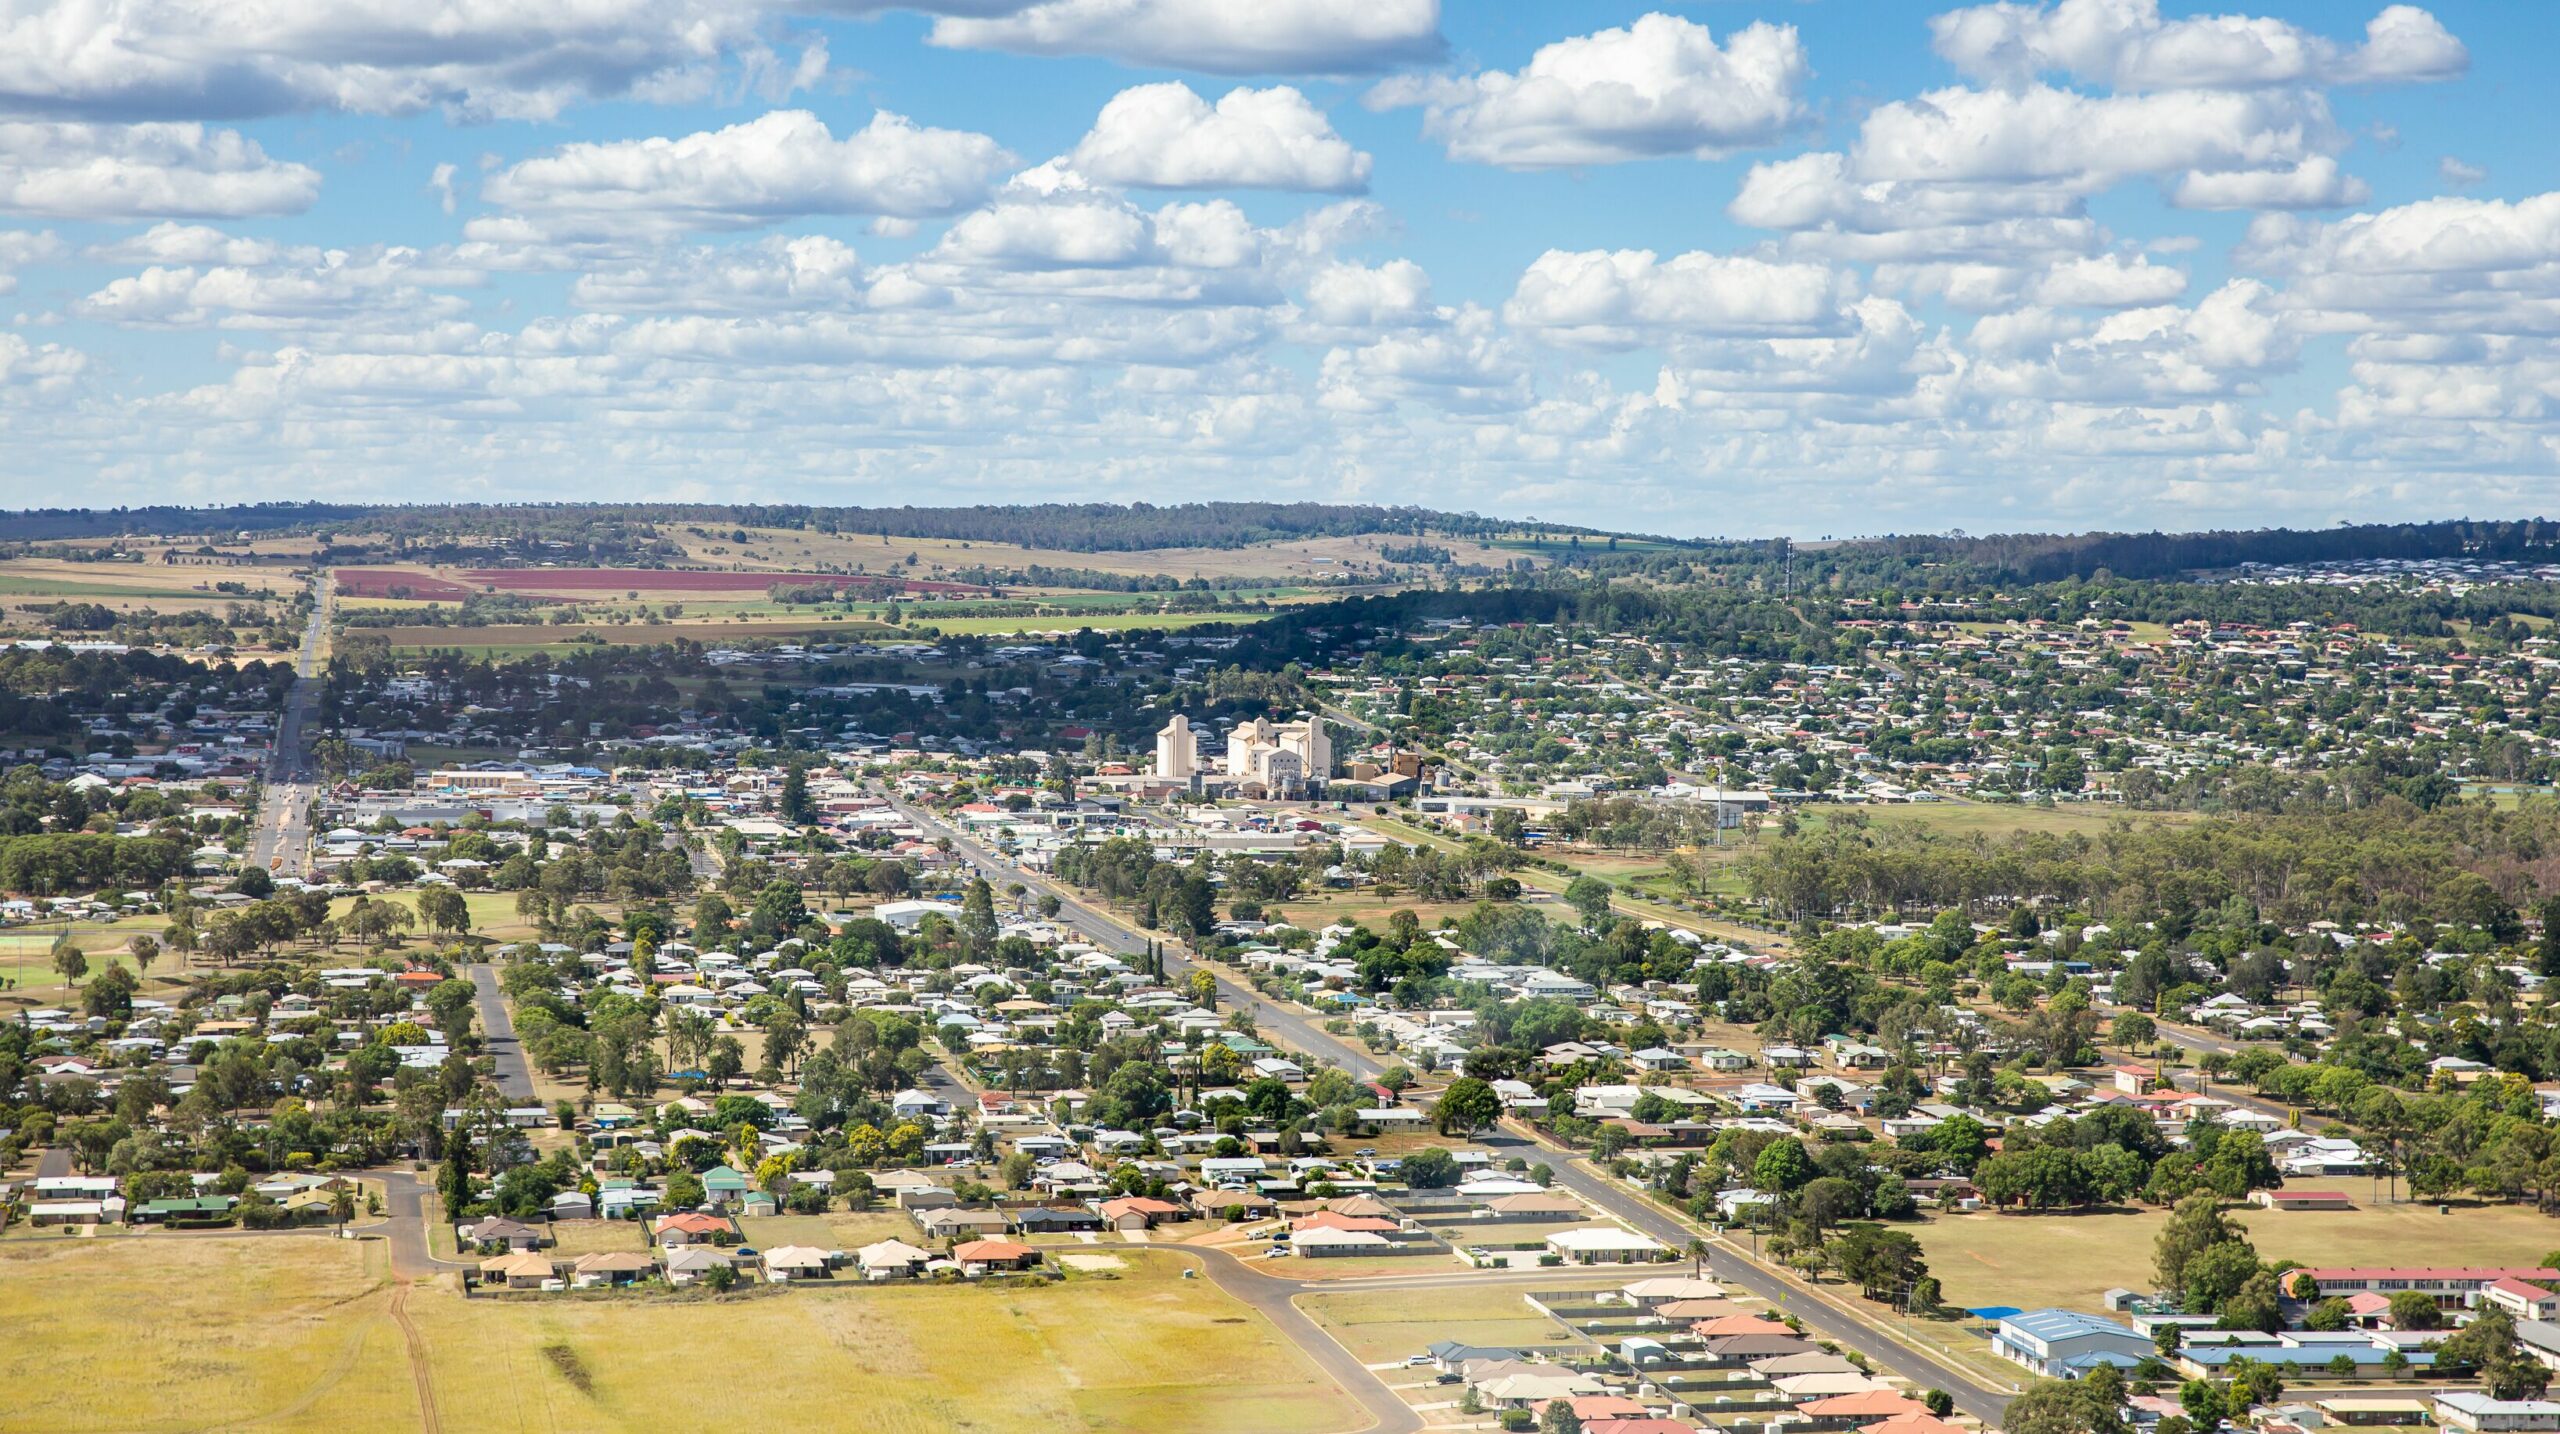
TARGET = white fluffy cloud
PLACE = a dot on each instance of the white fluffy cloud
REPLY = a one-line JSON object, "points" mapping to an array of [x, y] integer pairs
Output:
{"points": [[21, 247], [168, 59], [779, 166], [1624, 298], [334, 292], [1228, 37], [2446, 236], [2126, 45], [807, 272], [1661, 86], [97, 171], [1165, 137], [2315, 183], [2155, 354], [2108, 282], [42, 369], [1358, 296], [2039, 134]]}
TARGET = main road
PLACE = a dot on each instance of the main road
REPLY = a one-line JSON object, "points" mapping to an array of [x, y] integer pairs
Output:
{"points": [[1307, 1034], [281, 840], [1110, 934]]}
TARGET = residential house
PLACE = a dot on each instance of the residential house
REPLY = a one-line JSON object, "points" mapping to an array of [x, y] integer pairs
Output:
{"points": [[694, 1262]]}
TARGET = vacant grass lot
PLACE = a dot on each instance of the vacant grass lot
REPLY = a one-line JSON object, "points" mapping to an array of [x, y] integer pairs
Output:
{"points": [[183, 1333], [835, 1230], [290, 1333], [1379, 1325], [2072, 1260], [493, 914]]}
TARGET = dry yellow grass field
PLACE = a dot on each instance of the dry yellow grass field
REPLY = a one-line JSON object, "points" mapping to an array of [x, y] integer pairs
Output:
{"points": [[1383, 1324], [168, 1332], [2073, 1260], [300, 1332]]}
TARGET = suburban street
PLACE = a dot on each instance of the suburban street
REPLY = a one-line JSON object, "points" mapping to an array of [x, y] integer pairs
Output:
{"points": [[1306, 1034], [498, 1033]]}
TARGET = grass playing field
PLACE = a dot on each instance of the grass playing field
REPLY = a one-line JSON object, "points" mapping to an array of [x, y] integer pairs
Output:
{"points": [[2072, 1260]]}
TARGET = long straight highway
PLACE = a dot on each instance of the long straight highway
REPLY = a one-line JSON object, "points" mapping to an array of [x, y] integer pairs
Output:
{"points": [[1307, 1035], [281, 839]]}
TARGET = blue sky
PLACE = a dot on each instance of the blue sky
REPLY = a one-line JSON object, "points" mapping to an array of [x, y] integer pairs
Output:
{"points": [[1812, 268]]}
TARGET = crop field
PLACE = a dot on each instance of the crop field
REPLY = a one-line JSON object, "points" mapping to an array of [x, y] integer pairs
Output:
{"points": [[519, 639], [1309, 558], [452, 585], [540, 637], [138, 587], [2072, 1260], [162, 1333]]}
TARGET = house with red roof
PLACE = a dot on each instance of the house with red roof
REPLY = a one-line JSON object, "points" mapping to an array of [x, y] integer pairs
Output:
{"points": [[978, 1257], [1138, 1212]]}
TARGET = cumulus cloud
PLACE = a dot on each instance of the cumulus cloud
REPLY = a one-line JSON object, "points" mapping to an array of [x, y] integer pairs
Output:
{"points": [[1466, 365], [1623, 298], [801, 273], [2315, 183], [170, 242], [781, 165], [42, 369], [332, 291], [60, 170], [1358, 296], [21, 247], [2447, 236], [2108, 282], [1165, 137], [2154, 354], [1661, 86], [2039, 134], [168, 59], [1228, 37], [2126, 45]]}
